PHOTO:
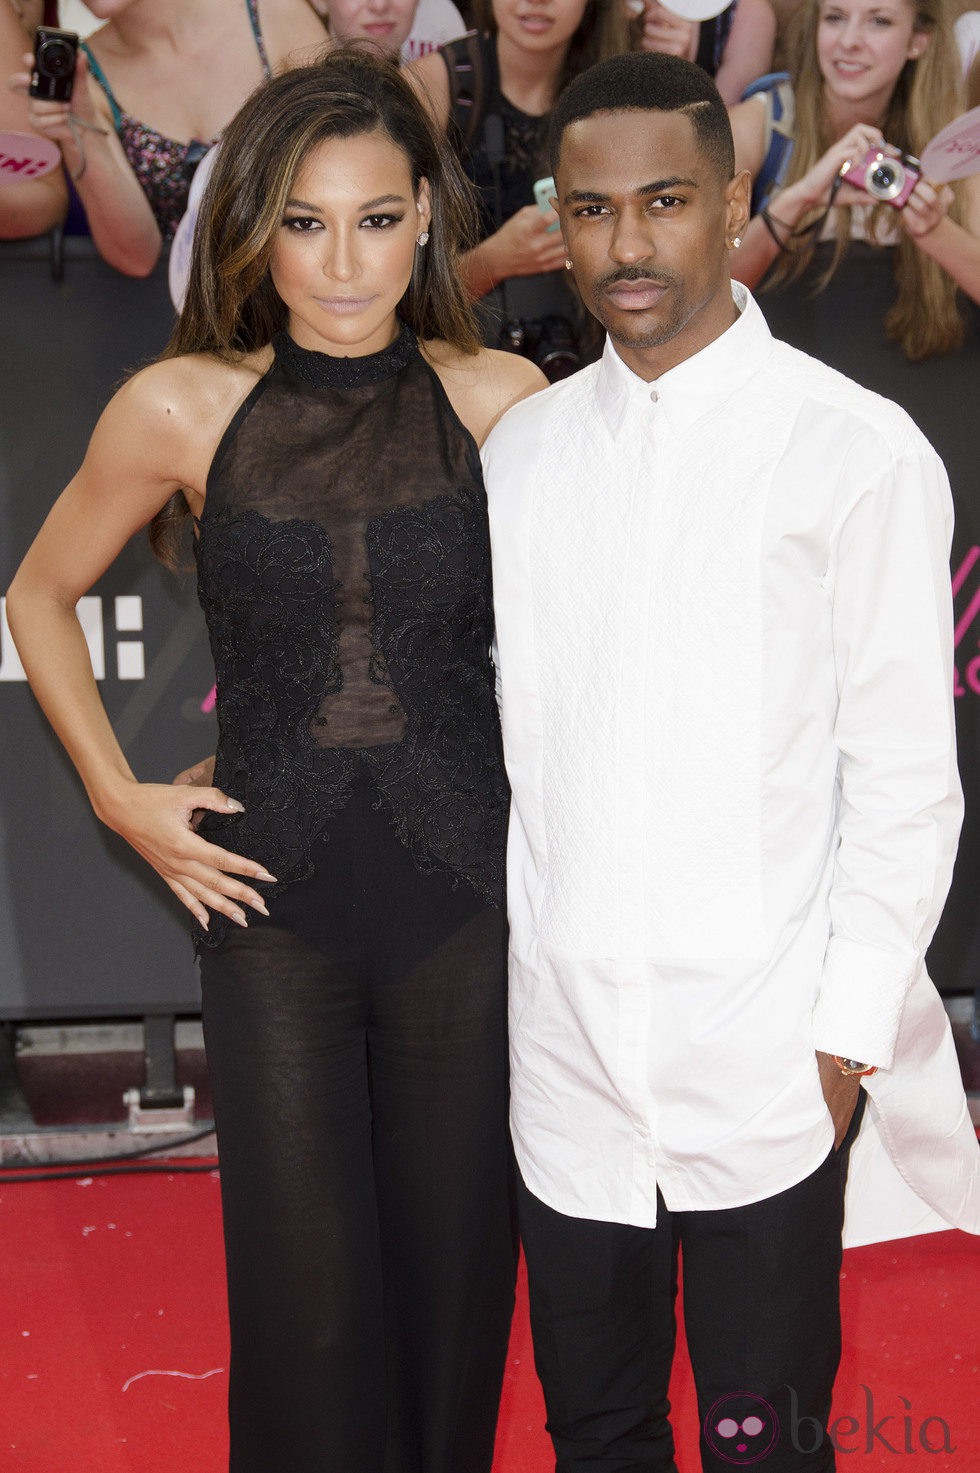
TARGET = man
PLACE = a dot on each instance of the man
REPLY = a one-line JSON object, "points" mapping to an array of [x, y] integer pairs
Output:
{"points": [[724, 641]]}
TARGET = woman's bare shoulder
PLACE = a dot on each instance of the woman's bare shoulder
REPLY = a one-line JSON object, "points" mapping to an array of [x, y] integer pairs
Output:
{"points": [[192, 389], [294, 33], [748, 120], [430, 78], [482, 385], [167, 420]]}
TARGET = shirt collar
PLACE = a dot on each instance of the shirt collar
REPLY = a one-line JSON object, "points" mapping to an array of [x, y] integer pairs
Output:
{"points": [[685, 393]]}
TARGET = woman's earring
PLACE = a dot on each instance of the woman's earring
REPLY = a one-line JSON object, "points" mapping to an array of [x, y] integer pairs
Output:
{"points": [[736, 243], [423, 239]]}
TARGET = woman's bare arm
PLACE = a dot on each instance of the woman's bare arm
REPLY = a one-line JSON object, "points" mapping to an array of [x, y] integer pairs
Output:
{"points": [[748, 52], [430, 78], [483, 386], [953, 246], [155, 437], [294, 33], [119, 215]]}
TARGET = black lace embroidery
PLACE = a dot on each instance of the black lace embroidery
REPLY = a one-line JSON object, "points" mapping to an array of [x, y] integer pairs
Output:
{"points": [[270, 597], [348, 601], [444, 784]]}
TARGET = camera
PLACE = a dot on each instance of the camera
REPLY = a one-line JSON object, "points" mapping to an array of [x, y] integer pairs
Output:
{"points": [[549, 341], [885, 176], [55, 56]]}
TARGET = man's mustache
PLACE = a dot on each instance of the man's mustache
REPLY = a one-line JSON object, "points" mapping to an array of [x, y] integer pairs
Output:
{"points": [[638, 272]]}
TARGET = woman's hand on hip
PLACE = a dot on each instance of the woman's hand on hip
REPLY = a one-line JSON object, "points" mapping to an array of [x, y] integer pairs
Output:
{"points": [[157, 819]]}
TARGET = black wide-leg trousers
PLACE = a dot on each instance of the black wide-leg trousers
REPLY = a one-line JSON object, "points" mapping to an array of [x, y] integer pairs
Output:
{"points": [[356, 1044], [761, 1317]]}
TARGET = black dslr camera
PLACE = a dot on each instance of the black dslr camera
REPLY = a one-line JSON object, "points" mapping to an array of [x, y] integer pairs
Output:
{"points": [[55, 57], [549, 341]]}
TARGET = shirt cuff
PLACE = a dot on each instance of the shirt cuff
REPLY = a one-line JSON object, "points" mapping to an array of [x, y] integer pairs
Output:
{"points": [[862, 996]]}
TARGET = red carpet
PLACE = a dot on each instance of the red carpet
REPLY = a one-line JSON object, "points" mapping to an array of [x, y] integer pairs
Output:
{"points": [[113, 1352]]}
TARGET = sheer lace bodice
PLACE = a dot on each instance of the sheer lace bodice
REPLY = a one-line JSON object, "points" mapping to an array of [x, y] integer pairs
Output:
{"points": [[343, 569]]}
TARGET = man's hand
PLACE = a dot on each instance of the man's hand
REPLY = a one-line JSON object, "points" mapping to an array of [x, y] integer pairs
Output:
{"points": [[841, 1093]]}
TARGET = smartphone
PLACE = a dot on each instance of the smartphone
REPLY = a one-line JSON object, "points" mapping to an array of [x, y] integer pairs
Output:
{"points": [[544, 190], [55, 58]]}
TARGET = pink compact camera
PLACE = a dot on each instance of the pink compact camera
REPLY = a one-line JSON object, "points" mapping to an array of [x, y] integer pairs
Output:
{"points": [[885, 176]]}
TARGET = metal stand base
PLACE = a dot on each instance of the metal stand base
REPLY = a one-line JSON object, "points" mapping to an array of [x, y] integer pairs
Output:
{"points": [[159, 1110]]}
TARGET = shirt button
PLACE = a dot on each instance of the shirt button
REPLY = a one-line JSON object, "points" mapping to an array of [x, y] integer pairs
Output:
{"points": [[654, 396]]}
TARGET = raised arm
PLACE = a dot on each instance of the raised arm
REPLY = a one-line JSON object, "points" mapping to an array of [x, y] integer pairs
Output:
{"points": [[429, 77], [294, 33], [761, 243], [30, 207], [953, 246], [119, 214], [147, 445], [748, 53]]}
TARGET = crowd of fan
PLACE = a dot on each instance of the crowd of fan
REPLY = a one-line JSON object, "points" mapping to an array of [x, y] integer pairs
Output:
{"points": [[158, 81]]}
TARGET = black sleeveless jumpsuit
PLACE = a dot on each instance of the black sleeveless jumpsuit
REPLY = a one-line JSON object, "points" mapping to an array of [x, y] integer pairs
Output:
{"points": [[356, 1040]]}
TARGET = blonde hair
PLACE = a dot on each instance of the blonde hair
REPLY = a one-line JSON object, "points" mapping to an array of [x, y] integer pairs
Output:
{"points": [[925, 318]]}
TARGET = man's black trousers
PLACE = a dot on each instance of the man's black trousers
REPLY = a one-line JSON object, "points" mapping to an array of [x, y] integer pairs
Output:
{"points": [[762, 1320]]}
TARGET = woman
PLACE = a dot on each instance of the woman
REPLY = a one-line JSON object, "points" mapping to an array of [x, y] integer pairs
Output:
{"points": [[868, 73], [154, 88], [318, 414], [498, 86], [409, 27], [735, 46]]}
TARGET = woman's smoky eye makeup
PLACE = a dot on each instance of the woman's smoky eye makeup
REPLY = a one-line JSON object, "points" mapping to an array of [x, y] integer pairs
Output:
{"points": [[305, 224]]}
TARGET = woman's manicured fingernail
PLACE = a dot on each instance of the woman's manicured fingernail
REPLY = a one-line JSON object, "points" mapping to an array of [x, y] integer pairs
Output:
{"points": [[263, 874], [235, 807], [238, 918]]}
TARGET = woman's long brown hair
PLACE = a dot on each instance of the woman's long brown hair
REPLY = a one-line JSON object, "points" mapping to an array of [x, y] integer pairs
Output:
{"points": [[925, 319], [232, 307]]}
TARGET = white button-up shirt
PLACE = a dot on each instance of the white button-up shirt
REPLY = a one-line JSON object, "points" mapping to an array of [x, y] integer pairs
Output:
{"points": [[724, 650]]}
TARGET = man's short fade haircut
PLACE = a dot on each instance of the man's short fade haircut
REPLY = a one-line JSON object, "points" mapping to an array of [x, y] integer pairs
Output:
{"points": [[648, 81]]}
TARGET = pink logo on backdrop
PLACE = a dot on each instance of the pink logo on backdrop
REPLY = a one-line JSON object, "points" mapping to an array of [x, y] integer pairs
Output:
{"points": [[966, 611]]}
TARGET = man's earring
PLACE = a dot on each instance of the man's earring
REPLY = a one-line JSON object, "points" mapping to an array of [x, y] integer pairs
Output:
{"points": [[423, 239], [568, 264]]}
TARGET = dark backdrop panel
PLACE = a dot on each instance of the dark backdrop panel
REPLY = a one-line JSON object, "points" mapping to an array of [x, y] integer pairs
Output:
{"points": [[86, 928], [843, 325]]}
